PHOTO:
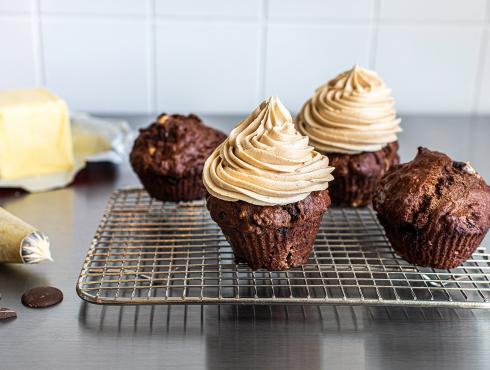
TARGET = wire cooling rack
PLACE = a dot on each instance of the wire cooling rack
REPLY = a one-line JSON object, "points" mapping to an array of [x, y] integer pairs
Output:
{"points": [[149, 252]]}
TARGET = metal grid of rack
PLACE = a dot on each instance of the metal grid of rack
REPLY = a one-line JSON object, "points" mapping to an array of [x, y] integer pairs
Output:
{"points": [[149, 252]]}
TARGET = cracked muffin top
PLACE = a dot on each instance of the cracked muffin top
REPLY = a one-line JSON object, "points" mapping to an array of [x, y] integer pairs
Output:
{"points": [[433, 188], [175, 146]]}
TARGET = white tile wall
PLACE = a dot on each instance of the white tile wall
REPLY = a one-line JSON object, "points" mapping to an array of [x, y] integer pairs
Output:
{"points": [[327, 9], [22, 6], [97, 65], [219, 56], [456, 10], [483, 103], [95, 7], [207, 67], [209, 8], [17, 68], [302, 57], [479, 144], [430, 68]]}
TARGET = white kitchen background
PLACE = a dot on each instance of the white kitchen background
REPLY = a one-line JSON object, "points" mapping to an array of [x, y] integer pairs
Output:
{"points": [[223, 56]]}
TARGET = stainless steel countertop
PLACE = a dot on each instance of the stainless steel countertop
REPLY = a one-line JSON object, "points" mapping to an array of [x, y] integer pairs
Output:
{"points": [[76, 335]]}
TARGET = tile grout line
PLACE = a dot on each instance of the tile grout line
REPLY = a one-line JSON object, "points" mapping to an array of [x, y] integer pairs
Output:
{"points": [[262, 51], [37, 42], [151, 62], [373, 39], [144, 17], [284, 21], [344, 22]]}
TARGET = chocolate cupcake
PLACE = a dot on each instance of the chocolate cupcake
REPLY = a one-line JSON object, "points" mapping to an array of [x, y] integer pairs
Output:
{"points": [[169, 155], [267, 189], [435, 211], [352, 120]]}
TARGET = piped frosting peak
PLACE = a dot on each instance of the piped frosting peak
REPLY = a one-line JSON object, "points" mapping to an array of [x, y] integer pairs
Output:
{"points": [[266, 161], [352, 113]]}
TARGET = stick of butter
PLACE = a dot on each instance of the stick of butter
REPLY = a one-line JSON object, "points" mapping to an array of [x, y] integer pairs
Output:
{"points": [[35, 136]]}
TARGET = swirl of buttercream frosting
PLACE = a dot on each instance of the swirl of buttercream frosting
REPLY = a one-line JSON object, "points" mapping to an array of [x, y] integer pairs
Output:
{"points": [[350, 114], [265, 161]]}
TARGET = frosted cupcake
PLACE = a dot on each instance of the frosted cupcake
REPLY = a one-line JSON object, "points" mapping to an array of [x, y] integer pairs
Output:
{"points": [[352, 119], [268, 189]]}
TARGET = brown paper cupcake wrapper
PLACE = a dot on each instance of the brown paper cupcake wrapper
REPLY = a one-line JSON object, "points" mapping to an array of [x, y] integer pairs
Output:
{"points": [[274, 249], [355, 189], [439, 248], [168, 189], [352, 191]]}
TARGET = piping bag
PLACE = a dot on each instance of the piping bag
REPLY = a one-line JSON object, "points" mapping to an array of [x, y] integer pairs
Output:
{"points": [[21, 242]]}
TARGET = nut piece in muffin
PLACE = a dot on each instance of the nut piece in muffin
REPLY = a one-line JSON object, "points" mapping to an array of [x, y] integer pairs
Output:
{"points": [[352, 119], [268, 189], [169, 155], [435, 211]]}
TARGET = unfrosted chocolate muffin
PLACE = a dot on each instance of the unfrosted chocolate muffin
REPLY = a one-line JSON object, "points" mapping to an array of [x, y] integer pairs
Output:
{"points": [[169, 155], [435, 211], [357, 175], [271, 237]]}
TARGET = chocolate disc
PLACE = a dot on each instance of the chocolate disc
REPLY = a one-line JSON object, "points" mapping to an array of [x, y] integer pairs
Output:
{"points": [[41, 297], [7, 313]]}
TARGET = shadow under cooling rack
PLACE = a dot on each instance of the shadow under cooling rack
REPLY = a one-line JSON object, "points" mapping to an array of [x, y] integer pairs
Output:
{"points": [[149, 252]]}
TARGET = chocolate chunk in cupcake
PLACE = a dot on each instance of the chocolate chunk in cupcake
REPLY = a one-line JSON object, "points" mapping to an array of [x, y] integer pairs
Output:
{"points": [[169, 155], [435, 211], [268, 189], [7, 314], [352, 119]]}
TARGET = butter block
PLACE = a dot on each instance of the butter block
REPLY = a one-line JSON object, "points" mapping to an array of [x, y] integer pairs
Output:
{"points": [[35, 134]]}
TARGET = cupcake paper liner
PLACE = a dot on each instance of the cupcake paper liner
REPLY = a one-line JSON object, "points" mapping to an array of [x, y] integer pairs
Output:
{"points": [[352, 190], [435, 247], [274, 249], [168, 189]]}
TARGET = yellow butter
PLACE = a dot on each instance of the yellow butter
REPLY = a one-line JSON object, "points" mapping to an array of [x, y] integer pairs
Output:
{"points": [[35, 135]]}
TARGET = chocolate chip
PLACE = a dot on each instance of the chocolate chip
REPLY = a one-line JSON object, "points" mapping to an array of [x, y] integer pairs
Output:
{"points": [[459, 165], [41, 297], [7, 313], [283, 231], [294, 212]]}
